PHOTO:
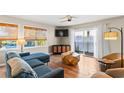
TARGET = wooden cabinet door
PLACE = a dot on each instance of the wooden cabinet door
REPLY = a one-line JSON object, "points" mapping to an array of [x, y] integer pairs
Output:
{"points": [[63, 49], [54, 49], [59, 49], [68, 48]]}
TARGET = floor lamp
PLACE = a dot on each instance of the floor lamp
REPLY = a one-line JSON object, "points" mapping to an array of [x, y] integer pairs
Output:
{"points": [[113, 35], [21, 42]]}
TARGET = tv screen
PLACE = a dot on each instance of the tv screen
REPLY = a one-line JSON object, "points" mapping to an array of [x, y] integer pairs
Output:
{"points": [[61, 32]]}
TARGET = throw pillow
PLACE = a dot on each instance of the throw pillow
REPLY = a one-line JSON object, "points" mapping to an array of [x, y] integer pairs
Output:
{"points": [[18, 65], [12, 54]]}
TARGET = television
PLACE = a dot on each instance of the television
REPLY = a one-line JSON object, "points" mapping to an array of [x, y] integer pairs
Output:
{"points": [[61, 32]]}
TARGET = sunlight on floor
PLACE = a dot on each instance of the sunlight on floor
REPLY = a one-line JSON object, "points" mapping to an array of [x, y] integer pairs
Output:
{"points": [[87, 66]]}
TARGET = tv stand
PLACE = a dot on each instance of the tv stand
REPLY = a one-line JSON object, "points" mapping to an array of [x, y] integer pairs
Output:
{"points": [[58, 49]]}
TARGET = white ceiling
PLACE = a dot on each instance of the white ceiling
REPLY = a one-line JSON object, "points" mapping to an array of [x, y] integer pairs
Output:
{"points": [[55, 19]]}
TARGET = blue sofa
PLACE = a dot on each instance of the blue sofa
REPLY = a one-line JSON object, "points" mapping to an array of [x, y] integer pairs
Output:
{"points": [[36, 61], [45, 58]]}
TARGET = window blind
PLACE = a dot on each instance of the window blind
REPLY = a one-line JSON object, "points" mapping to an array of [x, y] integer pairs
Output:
{"points": [[34, 33], [8, 31]]}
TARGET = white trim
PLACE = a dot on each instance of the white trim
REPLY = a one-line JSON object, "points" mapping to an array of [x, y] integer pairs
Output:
{"points": [[3, 64], [35, 47]]}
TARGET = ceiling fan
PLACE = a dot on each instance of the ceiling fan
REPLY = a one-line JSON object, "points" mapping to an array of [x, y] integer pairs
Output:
{"points": [[67, 18]]}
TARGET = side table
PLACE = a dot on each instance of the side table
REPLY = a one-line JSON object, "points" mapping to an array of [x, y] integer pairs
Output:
{"points": [[107, 63]]}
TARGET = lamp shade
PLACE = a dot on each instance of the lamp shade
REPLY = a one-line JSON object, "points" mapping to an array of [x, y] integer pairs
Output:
{"points": [[110, 35], [20, 41]]}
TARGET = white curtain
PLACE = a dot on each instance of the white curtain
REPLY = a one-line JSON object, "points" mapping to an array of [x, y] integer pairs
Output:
{"points": [[102, 46], [106, 43], [71, 39]]}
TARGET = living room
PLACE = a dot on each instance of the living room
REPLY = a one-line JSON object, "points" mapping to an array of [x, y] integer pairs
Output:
{"points": [[65, 46], [61, 46]]}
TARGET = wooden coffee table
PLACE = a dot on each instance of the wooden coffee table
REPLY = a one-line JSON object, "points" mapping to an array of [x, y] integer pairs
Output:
{"points": [[106, 62]]}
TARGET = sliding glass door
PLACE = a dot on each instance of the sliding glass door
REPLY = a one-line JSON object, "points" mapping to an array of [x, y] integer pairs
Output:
{"points": [[84, 41]]}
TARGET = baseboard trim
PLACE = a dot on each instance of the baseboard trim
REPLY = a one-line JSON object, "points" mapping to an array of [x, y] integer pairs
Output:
{"points": [[51, 54], [3, 64]]}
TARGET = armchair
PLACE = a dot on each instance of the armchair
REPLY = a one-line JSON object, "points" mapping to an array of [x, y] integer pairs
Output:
{"points": [[116, 58], [110, 73]]}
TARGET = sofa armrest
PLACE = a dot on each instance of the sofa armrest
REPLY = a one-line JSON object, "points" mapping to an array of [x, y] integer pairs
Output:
{"points": [[56, 73], [117, 60], [100, 75], [24, 54], [116, 72]]}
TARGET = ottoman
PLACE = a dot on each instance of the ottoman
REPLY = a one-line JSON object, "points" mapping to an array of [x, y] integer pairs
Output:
{"points": [[71, 59]]}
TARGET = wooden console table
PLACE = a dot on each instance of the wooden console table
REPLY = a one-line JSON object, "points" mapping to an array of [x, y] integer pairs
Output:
{"points": [[58, 49]]}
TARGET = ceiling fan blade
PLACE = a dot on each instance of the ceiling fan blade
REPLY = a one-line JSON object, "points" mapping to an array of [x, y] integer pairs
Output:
{"points": [[67, 18], [63, 17]]}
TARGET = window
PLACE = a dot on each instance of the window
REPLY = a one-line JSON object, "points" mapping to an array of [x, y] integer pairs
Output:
{"points": [[8, 35], [34, 36]]}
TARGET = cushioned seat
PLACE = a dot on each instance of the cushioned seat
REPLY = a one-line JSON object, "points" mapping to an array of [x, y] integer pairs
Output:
{"points": [[34, 62], [40, 56], [113, 57], [116, 58], [110, 73], [42, 70]]}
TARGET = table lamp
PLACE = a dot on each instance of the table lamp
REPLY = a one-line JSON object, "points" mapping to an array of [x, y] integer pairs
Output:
{"points": [[21, 42]]}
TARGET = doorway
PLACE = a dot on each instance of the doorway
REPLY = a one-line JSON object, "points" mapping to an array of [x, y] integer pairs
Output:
{"points": [[84, 41]]}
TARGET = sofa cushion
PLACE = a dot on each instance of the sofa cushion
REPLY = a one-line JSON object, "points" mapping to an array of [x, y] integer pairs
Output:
{"points": [[18, 65], [55, 73], [24, 54], [12, 54], [100, 75], [115, 72], [34, 62], [41, 56], [41, 70], [24, 75]]}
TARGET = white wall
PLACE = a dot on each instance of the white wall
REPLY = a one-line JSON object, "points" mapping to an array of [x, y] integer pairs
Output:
{"points": [[51, 39], [104, 47], [62, 40]]}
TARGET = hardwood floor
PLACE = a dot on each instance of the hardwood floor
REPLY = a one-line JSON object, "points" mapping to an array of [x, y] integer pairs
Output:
{"points": [[85, 69], [2, 72]]}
